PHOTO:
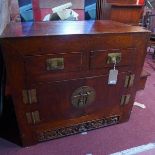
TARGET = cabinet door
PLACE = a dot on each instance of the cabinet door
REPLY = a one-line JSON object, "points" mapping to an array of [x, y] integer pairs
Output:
{"points": [[72, 99]]}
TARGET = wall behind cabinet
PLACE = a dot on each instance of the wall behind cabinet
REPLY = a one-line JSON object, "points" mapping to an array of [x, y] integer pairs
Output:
{"points": [[4, 14], [9, 10]]}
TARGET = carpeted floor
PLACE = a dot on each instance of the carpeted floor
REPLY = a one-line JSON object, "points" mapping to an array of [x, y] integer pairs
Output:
{"points": [[139, 130]]}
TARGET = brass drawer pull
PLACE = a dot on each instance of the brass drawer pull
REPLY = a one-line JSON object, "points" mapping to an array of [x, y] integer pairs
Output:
{"points": [[55, 64], [114, 58]]}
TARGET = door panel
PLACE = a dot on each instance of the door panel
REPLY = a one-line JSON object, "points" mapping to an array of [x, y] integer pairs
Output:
{"points": [[55, 100]]}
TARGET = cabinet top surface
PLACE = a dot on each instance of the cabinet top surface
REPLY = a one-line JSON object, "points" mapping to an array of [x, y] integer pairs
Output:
{"points": [[55, 28]]}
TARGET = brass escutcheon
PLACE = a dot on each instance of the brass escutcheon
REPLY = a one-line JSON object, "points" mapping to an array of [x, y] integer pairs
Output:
{"points": [[83, 96]]}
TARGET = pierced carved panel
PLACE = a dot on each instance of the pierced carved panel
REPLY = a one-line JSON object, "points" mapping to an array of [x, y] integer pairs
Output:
{"points": [[78, 128]]}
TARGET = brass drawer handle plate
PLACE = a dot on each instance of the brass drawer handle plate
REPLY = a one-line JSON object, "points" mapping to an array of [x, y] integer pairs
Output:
{"points": [[114, 58], [55, 64]]}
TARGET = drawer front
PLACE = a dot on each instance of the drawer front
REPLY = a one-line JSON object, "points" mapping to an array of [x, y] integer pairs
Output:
{"points": [[54, 63], [99, 59], [65, 66]]}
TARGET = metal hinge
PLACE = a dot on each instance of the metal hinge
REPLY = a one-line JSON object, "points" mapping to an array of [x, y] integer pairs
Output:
{"points": [[33, 117], [129, 80], [29, 96], [125, 99]]}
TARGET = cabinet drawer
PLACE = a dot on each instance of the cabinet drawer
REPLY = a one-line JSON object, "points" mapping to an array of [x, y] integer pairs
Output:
{"points": [[53, 63], [99, 58]]}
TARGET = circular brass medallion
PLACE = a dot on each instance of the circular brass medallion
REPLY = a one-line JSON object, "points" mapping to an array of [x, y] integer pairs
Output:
{"points": [[83, 96]]}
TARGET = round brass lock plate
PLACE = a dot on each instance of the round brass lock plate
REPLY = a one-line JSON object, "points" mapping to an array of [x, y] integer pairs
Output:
{"points": [[83, 96]]}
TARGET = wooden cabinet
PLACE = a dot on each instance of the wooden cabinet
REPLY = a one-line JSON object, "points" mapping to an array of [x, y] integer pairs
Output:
{"points": [[59, 71], [128, 11]]}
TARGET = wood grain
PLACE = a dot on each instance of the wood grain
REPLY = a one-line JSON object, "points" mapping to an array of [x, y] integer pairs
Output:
{"points": [[84, 47]]}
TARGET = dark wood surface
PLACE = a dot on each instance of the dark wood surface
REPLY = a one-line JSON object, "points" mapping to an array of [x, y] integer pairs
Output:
{"points": [[84, 46], [29, 29], [128, 12], [122, 1]]}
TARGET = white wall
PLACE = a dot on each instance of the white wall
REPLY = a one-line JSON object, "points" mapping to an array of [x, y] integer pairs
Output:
{"points": [[14, 11], [77, 4], [4, 14]]}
